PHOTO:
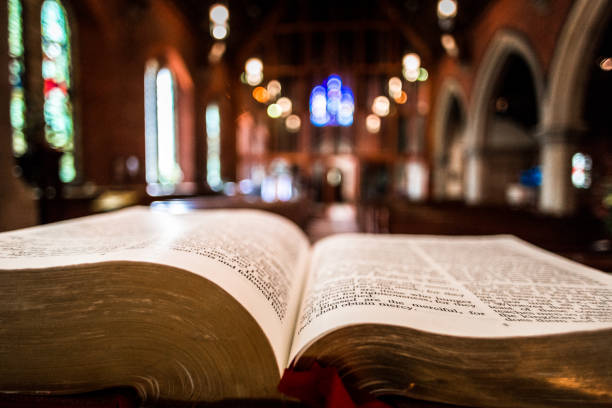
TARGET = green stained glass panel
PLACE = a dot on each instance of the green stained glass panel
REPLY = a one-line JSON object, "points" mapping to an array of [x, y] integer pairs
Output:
{"points": [[16, 67], [59, 130]]}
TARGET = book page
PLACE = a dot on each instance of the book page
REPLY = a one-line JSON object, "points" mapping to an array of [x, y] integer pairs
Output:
{"points": [[461, 286], [259, 258]]}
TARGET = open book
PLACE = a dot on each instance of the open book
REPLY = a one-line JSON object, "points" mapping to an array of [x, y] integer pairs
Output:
{"points": [[216, 304]]}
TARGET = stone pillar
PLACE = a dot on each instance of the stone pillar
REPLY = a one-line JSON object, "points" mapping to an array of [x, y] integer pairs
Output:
{"points": [[473, 176], [557, 195]]}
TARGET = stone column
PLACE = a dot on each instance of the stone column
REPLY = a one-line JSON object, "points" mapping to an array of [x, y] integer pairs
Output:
{"points": [[557, 195], [473, 176], [439, 177]]}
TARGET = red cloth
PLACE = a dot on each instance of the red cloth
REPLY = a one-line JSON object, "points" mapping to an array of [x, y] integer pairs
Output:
{"points": [[321, 387]]}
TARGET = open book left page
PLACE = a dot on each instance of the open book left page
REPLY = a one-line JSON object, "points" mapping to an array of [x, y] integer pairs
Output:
{"points": [[258, 258]]}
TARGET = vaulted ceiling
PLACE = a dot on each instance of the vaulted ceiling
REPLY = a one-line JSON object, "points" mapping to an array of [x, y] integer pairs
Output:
{"points": [[401, 25]]}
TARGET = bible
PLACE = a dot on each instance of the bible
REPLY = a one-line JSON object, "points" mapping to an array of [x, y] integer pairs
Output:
{"points": [[215, 304]]}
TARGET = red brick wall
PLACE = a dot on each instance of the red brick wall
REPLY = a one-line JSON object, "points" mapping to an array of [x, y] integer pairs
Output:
{"points": [[114, 43]]}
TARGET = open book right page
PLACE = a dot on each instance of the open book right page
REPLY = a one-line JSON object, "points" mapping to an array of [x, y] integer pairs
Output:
{"points": [[492, 287]]}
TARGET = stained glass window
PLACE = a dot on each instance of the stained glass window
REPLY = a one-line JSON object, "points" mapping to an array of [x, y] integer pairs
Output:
{"points": [[163, 169], [56, 67], [16, 77]]}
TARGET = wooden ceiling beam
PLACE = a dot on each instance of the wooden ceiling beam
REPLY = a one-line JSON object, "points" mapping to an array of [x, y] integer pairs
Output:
{"points": [[413, 37]]}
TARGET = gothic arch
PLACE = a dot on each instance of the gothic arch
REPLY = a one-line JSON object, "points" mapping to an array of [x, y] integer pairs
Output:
{"points": [[562, 106], [450, 92], [562, 109], [504, 44], [168, 57]]}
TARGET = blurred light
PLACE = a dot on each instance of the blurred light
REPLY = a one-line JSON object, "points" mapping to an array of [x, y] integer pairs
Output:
{"points": [[334, 177], [450, 45], [423, 75], [334, 82], [395, 87], [260, 94], [373, 123], [416, 180], [285, 105], [132, 165], [334, 93], [243, 78], [254, 79], [402, 98], [213, 141], [501, 104], [381, 106], [581, 170], [229, 189], [411, 62], [606, 64], [172, 207], [219, 31], [268, 189], [531, 177], [447, 8], [411, 75], [284, 187], [216, 52], [246, 186], [318, 106], [293, 123], [218, 13], [331, 103], [347, 108], [254, 71], [253, 66], [274, 111], [274, 88]]}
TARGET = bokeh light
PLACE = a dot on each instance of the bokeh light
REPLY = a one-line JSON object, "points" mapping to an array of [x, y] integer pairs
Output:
{"points": [[254, 71], [447, 8], [450, 45], [285, 105], [260, 94], [395, 87], [423, 75], [293, 123], [581, 170], [411, 76], [411, 62], [381, 106], [372, 123], [402, 98], [274, 88], [331, 103], [219, 32], [253, 66], [254, 79], [274, 110], [218, 13]]}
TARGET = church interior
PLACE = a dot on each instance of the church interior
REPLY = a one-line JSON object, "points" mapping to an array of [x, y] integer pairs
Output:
{"points": [[400, 116], [428, 117]]}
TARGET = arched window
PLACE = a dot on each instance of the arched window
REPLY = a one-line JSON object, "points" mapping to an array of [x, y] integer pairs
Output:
{"points": [[162, 164], [56, 72], [213, 142], [16, 77]]}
